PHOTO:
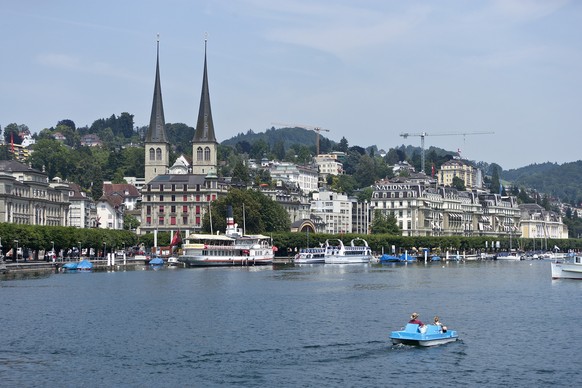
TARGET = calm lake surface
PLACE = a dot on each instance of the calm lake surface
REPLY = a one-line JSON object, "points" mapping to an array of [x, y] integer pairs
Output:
{"points": [[320, 325]]}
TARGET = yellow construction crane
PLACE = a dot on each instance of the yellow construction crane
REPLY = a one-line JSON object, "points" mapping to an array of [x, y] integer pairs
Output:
{"points": [[316, 129], [424, 134]]}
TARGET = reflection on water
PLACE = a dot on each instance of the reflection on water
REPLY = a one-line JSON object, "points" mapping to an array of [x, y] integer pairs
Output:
{"points": [[29, 274]]}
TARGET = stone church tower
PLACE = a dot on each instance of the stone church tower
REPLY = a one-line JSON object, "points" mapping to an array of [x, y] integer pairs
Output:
{"points": [[204, 144], [157, 147]]}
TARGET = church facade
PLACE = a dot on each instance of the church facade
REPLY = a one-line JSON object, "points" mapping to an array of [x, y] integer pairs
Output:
{"points": [[178, 198]]}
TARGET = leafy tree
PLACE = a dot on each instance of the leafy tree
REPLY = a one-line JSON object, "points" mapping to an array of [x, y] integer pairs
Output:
{"points": [[365, 171], [392, 157], [12, 133], [279, 150], [568, 212], [54, 157], [261, 214], [302, 154], [240, 172], [259, 149], [459, 184], [72, 137], [495, 183], [262, 176], [343, 145], [416, 160], [325, 145], [180, 137], [365, 194], [523, 197], [243, 147], [351, 162], [344, 184], [545, 202], [130, 222], [124, 125], [132, 161], [384, 224], [68, 123], [5, 153]]}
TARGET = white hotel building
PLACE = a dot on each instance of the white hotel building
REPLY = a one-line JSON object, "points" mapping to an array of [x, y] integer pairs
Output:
{"points": [[424, 210]]}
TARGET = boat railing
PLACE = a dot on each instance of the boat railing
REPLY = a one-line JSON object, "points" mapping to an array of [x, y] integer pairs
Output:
{"points": [[352, 243], [211, 246]]}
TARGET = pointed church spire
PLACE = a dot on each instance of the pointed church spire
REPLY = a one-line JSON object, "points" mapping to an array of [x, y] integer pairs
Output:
{"points": [[156, 132], [204, 127]]}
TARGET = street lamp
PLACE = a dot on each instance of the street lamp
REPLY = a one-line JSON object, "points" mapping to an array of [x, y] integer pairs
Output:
{"points": [[104, 249], [80, 250], [53, 255]]}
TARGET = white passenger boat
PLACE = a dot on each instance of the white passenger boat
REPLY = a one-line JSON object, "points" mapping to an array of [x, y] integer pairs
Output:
{"points": [[567, 269], [229, 249], [351, 254], [509, 256], [310, 256]]}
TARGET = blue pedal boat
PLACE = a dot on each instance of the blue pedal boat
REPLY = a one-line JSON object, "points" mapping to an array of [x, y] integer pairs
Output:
{"points": [[414, 335]]}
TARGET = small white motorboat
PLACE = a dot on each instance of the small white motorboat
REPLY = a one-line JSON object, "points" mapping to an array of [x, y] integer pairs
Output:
{"points": [[567, 269]]}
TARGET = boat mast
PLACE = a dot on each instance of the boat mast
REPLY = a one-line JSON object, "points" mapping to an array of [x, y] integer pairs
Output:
{"points": [[210, 212]]}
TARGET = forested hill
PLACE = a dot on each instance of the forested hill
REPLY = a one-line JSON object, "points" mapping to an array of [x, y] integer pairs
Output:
{"points": [[287, 136], [562, 181]]}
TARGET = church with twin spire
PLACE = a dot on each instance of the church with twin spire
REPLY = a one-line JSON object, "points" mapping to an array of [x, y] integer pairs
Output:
{"points": [[177, 197]]}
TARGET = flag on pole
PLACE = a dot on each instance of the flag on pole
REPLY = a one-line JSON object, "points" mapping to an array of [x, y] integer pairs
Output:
{"points": [[177, 239]]}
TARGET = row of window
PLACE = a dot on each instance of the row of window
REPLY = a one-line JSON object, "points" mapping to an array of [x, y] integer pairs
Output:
{"points": [[162, 198], [395, 194], [172, 221], [162, 208], [207, 185]]}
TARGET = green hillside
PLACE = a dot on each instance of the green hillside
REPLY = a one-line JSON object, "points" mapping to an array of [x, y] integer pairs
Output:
{"points": [[287, 136], [560, 181]]}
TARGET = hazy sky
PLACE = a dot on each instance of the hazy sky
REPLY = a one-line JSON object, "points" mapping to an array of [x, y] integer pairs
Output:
{"points": [[367, 70]]}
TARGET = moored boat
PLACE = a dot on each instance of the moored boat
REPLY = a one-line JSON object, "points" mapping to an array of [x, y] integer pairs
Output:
{"points": [[70, 266], [509, 256], [230, 249], [351, 254], [156, 263], [78, 266], [567, 269], [386, 258], [427, 335], [310, 256]]}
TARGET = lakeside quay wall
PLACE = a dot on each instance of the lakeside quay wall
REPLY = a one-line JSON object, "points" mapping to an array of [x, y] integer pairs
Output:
{"points": [[39, 268], [32, 267]]}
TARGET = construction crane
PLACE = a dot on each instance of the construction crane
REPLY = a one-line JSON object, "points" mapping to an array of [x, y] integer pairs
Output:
{"points": [[424, 134], [316, 129]]}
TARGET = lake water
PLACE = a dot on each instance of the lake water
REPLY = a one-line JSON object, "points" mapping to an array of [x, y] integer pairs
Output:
{"points": [[310, 326]]}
